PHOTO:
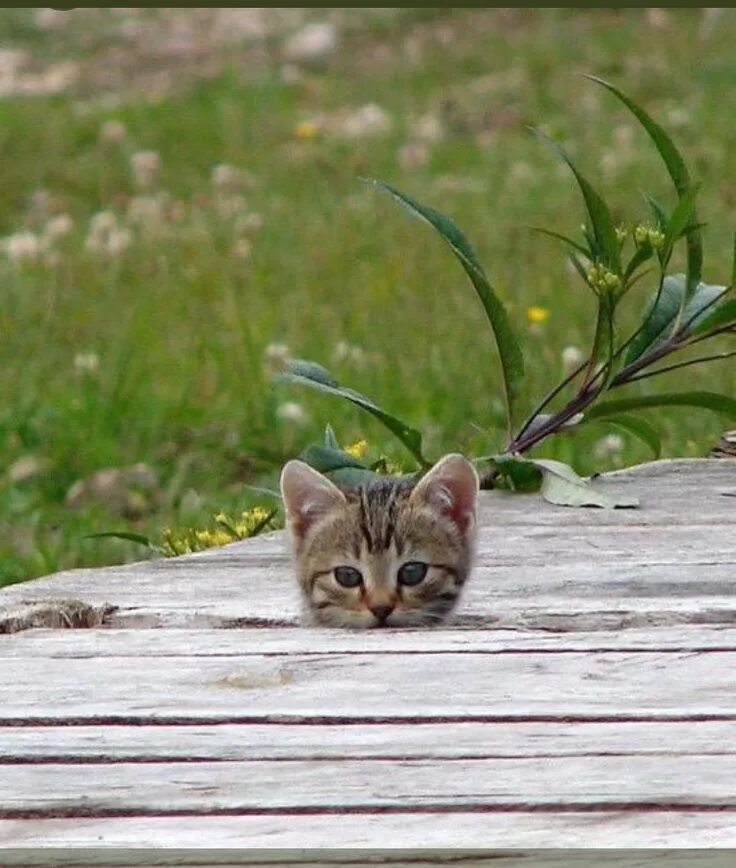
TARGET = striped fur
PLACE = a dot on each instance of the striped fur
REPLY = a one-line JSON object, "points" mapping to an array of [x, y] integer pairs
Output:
{"points": [[376, 530]]}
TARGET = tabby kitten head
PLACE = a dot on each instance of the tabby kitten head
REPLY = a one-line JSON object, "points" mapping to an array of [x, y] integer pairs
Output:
{"points": [[391, 553]]}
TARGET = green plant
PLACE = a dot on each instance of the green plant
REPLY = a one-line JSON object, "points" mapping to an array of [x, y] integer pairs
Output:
{"points": [[227, 529], [682, 312]]}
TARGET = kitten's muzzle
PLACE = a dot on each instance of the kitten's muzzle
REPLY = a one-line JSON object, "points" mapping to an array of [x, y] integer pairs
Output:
{"points": [[381, 613]]}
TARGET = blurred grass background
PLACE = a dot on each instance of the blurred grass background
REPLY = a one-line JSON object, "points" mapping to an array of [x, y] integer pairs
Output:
{"points": [[182, 207]]}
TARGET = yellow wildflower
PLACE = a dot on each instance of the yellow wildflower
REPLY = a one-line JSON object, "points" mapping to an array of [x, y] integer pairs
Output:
{"points": [[358, 450], [249, 521], [537, 314], [210, 538], [306, 130]]}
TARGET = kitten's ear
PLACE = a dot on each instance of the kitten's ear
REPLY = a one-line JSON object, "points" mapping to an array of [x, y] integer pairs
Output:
{"points": [[451, 487], [307, 496]]}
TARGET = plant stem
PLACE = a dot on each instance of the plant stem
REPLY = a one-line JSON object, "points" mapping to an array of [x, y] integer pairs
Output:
{"points": [[550, 396], [583, 399], [685, 364]]}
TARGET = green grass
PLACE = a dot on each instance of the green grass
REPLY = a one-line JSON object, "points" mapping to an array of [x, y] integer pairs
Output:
{"points": [[180, 325]]}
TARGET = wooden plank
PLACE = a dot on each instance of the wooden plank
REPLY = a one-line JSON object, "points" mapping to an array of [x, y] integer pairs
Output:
{"points": [[206, 742], [660, 564], [559, 595], [344, 786], [372, 686], [66, 644], [361, 832]]}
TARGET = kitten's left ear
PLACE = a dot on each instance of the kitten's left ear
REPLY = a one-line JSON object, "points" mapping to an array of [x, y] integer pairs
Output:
{"points": [[451, 487]]}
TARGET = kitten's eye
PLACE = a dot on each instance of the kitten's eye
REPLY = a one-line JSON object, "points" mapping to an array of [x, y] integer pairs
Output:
{"points": [[412, 573], [348, 577]]}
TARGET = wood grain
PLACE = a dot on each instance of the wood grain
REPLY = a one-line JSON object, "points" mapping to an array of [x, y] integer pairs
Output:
{"points": [[469, 740], [373, 686], [266, 641], [344, 786]]}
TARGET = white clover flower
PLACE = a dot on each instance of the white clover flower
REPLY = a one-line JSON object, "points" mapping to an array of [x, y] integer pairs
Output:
{"points": [[113, 133], [102, 221], [292, 412], [572, 358], [231, 206], [147, 210], [105, 236], [276, 357], [368, 120], [224, 175], [608, 446], [314, 43], [428, 128], [118, 241], [145, 166], [345, 352], [250, 222], [58, 227], [22, 247], [242, 249], [86, 363]]}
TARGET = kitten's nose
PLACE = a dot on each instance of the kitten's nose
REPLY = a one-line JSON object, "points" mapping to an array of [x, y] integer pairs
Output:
{"points": [[381, 612]]}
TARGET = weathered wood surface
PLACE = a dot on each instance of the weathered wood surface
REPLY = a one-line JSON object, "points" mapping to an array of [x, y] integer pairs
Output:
{"points": [[586, 695], [403, 857]]}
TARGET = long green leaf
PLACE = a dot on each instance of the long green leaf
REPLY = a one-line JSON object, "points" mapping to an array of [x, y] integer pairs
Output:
{"points": [[559, 237], [121, 534], [705, 400], [660, 218], [330, 439], [267, 492], [604, 231], [341, 468], [261, 525], [316, 377], [602, 349], [326, 459], [683, 212], [642, 255], [676, 168], [723, 315], [509, 349], [579, 267], [666, 309], [639, 428]]}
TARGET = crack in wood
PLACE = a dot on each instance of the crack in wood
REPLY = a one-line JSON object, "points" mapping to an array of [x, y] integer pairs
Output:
{"points": [[341, 720], [150, 759], [87, 811], [52, 613]]}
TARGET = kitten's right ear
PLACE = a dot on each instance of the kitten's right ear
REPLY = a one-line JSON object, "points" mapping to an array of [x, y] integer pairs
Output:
{"points": [[308, 495]]}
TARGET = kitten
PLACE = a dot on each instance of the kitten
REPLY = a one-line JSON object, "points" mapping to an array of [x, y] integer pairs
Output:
{"points": [[393, 553]]}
